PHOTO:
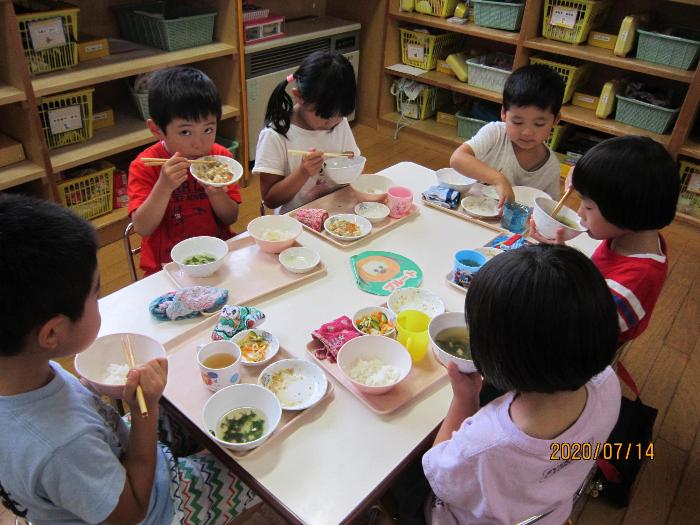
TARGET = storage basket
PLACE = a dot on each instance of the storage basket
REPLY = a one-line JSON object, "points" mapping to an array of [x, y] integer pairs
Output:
{"points": [[669, 50], [571, 20], [62, 24], [689, 198], [556, 136], [91, 195], [499, 15], [423, 50], [140, 98], [66, 118], [145, 23], [486, 77], [422, 107], [442, 8], [467, 127], [573, 73], [229, 144], [644, 115]]}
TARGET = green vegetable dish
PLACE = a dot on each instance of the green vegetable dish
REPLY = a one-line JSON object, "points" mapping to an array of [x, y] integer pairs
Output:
{"points": [[455, 341], [241, 425], [199, 258]]}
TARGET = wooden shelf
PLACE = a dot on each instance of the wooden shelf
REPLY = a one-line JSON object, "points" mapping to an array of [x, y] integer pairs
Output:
{"points": [[124, 65], [129, 132], [689, 2], [469, 28], [19, 173], [428, 128], [443, 81], [586, 118], [691, 148], [689, 219], [110, 218], [606, 56], [10, 94]]}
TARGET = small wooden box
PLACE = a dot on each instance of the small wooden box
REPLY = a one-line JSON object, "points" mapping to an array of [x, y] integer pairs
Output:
{"points": [[102, 117], [446, 118], [92, 47], [585, 101], [600, 39], [11, 151]]}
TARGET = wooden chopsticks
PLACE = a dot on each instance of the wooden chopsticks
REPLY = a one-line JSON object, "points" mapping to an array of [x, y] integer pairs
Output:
{"points": [[129, 354], [159, 162], [560, 204], [301, 152]]}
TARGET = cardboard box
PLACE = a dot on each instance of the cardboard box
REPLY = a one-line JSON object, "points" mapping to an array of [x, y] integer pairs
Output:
{"points": [[583, 100], [92, 47], [11, 151], [102, 117], [446, 118], [600, 39], [444, 67]]}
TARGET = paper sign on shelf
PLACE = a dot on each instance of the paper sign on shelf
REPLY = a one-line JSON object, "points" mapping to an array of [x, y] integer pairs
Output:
{"points": [[563, 17], [694, 183], [415, 52], [65, 119], [45, 34]]}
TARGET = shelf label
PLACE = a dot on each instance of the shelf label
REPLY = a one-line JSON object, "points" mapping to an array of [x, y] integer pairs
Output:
{"points": [[563, 17], [415, 52], [93, 48], [694, 183], [45, 34], [65, 119]]}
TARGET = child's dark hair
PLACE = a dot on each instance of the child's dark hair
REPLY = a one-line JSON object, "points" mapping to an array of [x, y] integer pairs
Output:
{"points": [[534, 85], [541, 319], [47, 261], [633, 180], [325, 79], [182, 92]]}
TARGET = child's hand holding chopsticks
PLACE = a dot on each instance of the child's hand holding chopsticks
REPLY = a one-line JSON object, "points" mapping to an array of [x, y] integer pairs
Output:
{"points": [[152, 378]]}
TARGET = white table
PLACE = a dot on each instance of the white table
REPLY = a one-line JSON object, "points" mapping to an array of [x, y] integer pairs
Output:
{"points": [[330, 467]]}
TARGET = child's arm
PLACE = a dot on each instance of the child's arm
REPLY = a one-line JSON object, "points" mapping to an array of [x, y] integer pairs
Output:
{"points": [[225, 208], [149, 215], [140, 456], [464, 160], [465, 401], [277, 190]]}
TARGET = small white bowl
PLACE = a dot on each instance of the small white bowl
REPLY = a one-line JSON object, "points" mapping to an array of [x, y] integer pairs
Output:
{"points": [[196, 245], [240, 396], [233, 166], [364, 225], [301, 384], [343, 170], [92, 363], [415, 299], [372, 211], [437, 325], [548, 226], [272, 349], [362, 312], [368, 347], [371, 188], [453, 179], [299, 259], [288, 228]]}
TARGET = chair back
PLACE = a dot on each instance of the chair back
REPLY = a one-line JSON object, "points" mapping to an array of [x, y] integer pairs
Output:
{"points": [[131, 251]]}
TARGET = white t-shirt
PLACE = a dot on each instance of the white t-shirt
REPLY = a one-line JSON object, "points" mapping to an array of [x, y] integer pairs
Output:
{"points": [[492, 146], [271, 157]]}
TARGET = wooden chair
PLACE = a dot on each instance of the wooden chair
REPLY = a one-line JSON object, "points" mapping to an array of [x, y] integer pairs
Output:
{"points": [[131, 251]]}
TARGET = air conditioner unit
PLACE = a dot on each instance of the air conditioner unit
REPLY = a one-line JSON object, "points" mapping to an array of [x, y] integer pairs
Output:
{"points": [[268, 63]]}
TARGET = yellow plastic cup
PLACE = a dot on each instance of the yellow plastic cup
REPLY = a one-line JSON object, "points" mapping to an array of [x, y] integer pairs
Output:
{"points": [[412, 328]]}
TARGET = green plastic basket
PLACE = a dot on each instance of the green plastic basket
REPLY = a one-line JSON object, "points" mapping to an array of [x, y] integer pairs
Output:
{"points": [[145, 24], [486, 77], [467, 127], [499, 15], [572, 71], [584, 15], [556, 136], [669, 50], [229, 144], [689, 198], [141, 100], [423, 50], [644, 115]]}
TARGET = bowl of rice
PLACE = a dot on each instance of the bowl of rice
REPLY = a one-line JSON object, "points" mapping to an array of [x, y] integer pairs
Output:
{"points": [[103, 363], [274, 233], [374, 364]]}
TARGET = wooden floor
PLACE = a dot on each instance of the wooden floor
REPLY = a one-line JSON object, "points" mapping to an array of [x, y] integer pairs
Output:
{"points": [[665, 360]]}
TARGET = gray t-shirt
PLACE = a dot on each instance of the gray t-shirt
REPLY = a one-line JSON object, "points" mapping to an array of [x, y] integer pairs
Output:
{"points": [[492, 146], [60, 448]]}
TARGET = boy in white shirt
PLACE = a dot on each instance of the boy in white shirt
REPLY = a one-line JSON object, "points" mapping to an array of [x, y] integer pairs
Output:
{"points": [[512, 152]]}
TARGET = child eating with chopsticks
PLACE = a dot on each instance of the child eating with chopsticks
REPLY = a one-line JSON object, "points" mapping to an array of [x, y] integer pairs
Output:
{"points": [[67, 457], [313, 123], [166, 203]]}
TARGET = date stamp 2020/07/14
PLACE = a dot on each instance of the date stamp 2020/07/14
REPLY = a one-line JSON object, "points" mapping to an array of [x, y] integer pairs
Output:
{"points": [[606, 451]]}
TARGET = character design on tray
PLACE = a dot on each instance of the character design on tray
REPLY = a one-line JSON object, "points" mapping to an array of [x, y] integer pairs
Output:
{"points": [[380, 273], [235, 319]]}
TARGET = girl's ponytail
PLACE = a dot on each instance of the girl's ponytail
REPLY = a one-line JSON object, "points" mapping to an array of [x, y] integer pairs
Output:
{"points": [[279, 109]]}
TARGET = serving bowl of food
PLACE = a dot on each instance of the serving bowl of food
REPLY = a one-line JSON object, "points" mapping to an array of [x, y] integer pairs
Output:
{"points": [[453, 179], [374, 212], [199, 256], [371, 188], [344, 170], [298, 384], [241, 417], [449, 339], [299, 259], [374, 364], [415, 299], [103, 364], [567, 219], [347, 226], [220, 171], [257, 346], [375, 320], [274, 233]]}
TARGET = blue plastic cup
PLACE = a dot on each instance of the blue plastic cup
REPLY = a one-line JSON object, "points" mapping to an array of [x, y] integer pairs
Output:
{"points": [[466, 264], [515, 217]]}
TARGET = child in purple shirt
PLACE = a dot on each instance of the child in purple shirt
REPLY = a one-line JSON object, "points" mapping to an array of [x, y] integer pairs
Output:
{"points": [[543, 328]]}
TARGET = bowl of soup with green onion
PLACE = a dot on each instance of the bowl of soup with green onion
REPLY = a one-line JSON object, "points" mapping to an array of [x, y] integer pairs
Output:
{"points": [[449, 339], [242, 416], [199, 256], [566, 219]]}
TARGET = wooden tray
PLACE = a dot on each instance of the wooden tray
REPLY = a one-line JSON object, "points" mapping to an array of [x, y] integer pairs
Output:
{"points": [[186, 390], [344, 201], [492, 224], [424, 376], [248, 273]]}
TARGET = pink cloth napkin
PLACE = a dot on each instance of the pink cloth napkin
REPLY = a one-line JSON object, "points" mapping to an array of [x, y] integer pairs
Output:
{"points": [[333, 336]]}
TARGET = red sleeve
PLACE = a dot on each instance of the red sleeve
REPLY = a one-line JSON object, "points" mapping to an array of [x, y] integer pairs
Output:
{"points": [[140, 183], [234, 191]]}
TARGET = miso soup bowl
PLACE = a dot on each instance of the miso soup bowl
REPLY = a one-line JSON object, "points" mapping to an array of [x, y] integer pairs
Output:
{"points": [[437, 325], [195, 245], [548, 225]]}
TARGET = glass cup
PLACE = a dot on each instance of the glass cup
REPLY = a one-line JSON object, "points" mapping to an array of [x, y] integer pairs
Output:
{"points": [[399, 200], [412, 327], [215, 376], [515, 217], [466, 264]]}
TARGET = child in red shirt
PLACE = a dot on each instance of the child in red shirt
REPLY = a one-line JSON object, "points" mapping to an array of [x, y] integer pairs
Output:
{"points": [[166, 203]]}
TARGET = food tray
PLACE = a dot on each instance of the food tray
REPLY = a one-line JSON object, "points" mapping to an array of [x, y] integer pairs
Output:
{"points": [[449, 279], [186, 390], [492, 224], [248, 273], [424, 376], [344, 201]]}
